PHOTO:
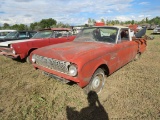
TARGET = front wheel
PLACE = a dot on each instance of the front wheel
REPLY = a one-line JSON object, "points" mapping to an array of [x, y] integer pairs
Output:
{"points": [[96, 83], [28, 60]]}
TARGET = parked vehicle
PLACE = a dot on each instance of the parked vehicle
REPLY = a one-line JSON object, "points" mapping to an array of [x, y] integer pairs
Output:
{"points": [[94, 53], [18, 35], [99, 24], [22, 48], [3, 33], [156, 30], [76, 30], [151, 27]]}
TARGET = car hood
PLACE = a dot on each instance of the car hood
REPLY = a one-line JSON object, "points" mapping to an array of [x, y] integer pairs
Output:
{"points": [[7, 43], [72, 50]]}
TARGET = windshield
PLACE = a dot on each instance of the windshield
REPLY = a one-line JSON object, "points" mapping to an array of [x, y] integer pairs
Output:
{"points": [[101, 34], [11, 35], [43, 34], [3, 33]]}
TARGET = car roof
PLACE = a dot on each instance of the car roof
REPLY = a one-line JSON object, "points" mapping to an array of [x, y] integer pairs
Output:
{"points": [[8, 30], [119, 27], [56, 29]]}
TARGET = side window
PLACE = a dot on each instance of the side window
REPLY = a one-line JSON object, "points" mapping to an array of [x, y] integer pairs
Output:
{"points": [[53, 35], [27, 34], [66, 34], [22, 35], [17, 35], [124, 34], [58, 34], [32, 34], [105, 35]]}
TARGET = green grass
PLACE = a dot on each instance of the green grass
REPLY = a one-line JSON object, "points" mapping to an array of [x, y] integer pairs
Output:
{"points": [[149, 32], [133, 92]]}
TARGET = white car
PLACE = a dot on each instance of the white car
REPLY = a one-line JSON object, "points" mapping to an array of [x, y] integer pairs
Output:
{"points": [[156, 30], [3, 33]]}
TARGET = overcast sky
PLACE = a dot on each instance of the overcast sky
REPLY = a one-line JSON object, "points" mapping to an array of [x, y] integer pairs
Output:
{"points": [[76, 12]]}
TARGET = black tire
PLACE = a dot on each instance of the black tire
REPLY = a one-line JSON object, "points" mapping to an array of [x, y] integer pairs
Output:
{"points": [[96, 83]]}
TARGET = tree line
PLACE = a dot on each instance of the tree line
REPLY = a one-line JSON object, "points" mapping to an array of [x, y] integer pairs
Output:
{"points": [[50, 23], [44, 23], [154, 21]]}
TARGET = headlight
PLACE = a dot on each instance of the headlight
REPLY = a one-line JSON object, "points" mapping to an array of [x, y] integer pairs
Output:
{"points": [[13, 51], [72, 70], [11, 47], [33, 58]]}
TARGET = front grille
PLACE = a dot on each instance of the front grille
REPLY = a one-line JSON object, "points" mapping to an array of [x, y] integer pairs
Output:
{"points": [[53, 64], [4, 49]]}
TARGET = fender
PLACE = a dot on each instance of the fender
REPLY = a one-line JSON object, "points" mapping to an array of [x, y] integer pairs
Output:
{"points": [[21, 49], [87, 72]]}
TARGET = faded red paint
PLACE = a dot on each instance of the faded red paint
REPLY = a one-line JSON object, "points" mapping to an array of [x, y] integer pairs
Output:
{"points": [[23, 49], [133, 27], [56, 29], [7, 52], [99, 24], [88, 56]]}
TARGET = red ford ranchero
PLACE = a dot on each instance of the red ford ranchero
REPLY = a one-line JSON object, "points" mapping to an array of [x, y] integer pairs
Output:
{"points": [[94, 53]]}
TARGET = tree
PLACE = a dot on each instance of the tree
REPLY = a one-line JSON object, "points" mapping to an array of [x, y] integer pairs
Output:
{"points": [[60, 25], [121, 23], [116, 22], [155, 21], [113, 22], [15, 27], [47, 23], [86, 25], [6, 25], [108, 22], [142, 21], [89, 21], [21, 27], [147, 20], [102, 20], [37, 27], [67, 25], [132, 22], [93, 21], [33, 25], [128, 22]]}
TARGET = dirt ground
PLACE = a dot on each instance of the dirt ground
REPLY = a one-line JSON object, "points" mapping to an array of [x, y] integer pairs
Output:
{"points": [[132, 92]]}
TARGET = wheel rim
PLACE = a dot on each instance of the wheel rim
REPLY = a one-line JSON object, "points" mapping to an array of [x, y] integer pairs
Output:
{"points": [[98, 82]]}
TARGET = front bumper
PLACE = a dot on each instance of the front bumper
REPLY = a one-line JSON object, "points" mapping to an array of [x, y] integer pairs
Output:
{"points": [[56, 77], [62, 77], [8, 53]]}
